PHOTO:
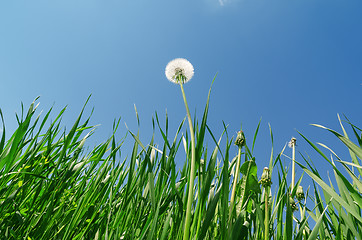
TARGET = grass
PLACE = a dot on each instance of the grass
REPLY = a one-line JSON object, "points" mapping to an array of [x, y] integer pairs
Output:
{"points": [[52, 187]]}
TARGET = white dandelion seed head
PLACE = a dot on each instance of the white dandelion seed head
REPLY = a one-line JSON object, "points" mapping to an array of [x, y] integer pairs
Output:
{"points": [[292, 142], [179, 69]]}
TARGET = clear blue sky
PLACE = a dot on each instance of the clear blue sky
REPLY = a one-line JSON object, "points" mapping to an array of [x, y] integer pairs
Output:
{"points": [[290, 63]]}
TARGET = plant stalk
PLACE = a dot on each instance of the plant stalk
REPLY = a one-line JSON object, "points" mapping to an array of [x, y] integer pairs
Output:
{"points": [[266, 219], [236, 177], [293, 163], [192, 170]]}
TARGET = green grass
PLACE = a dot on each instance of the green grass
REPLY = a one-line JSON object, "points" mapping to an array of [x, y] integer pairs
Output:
{"points": [[53, 187]]}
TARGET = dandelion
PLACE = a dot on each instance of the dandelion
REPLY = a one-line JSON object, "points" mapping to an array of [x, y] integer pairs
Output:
{"points": [[266, 178], [300, 193], [292, 203], [292, 144], [266, 182], [179, 70], [240, 139]]}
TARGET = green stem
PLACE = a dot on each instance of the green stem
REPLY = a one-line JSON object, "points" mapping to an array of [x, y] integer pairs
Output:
{"points": [[199, 205], [293, 165], [236, 177], [192, 170], [266, 221]]}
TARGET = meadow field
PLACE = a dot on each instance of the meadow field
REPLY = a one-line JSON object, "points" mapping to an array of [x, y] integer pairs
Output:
{"points": [[53, 187]]}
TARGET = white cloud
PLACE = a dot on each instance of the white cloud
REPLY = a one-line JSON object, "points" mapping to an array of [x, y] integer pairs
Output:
{"points": [[222, 2]]}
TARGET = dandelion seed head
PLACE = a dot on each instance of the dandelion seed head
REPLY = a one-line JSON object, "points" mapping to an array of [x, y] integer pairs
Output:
{"points": [[292, 142], [179, 69]]}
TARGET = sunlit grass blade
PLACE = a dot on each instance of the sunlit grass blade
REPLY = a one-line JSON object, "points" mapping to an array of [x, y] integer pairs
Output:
{"points": [[331, 192], [317, 226], [353, 147]]}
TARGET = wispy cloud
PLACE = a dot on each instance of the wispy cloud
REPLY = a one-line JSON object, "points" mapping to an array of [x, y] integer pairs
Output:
{"points": [[222, 2]]}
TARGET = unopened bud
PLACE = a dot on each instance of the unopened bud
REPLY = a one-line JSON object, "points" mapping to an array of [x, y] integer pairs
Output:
{"points": [[266, 178], [300, 193], [293, 205], [240, 139]]}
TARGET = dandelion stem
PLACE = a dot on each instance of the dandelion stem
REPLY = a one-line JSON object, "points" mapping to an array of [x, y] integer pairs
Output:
{"points": [[236, 177], [192, 170], [293, 162], [266, 182], [266, 223]]}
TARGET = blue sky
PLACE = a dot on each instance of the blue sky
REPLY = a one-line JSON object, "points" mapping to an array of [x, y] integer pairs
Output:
{"points": [[291, 63]]}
